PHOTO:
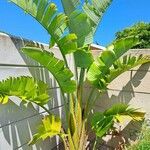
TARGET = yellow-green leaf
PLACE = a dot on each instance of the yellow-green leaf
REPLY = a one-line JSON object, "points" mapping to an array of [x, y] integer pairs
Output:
{"points": [[50, 126], [26, 88]]}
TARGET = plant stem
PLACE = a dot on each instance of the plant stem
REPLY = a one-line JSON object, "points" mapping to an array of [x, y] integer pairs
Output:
{"points": [[66, 107], [44, 108], [94, 146], [65, 60], [75, 69], [81, 79], [88, 102], [80, 85]]}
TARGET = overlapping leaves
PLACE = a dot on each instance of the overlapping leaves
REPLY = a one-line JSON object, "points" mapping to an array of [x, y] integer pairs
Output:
{"points": [[103, 122], [26, 88], [50, 126], [83, 22], [57, 67], [109, 65], [46, 14]]}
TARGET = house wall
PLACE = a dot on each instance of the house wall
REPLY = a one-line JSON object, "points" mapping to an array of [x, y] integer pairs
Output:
{"points": [[18, 122]]}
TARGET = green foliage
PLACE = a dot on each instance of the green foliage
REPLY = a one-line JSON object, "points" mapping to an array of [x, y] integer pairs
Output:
{"points": [[102, 122], [140, 30], [143, 143], [26, 88], [57, 67], [84, 22], [95, 10], [51, 126], [109, 65], [55, 23], [86, 54], [73, 32]]}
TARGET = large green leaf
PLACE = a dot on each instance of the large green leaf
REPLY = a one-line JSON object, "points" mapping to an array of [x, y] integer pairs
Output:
{"points": [[78, 22], [94, 10], [51, 126], [45, 13], [26, 88], [68, 43], [124, 64], [103, 122], [84, 17], [110, 65], [80, 25], [70, 5], [57, 67], [83, 57]]}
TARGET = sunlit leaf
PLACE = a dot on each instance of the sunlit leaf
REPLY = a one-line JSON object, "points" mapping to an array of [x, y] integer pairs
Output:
{"points": [[103, 122], [56, 66], [26, 88], [109, 65], [51, 126]]}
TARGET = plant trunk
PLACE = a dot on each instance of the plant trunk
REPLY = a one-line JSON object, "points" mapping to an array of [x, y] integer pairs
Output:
{"points": [[73, 142]]}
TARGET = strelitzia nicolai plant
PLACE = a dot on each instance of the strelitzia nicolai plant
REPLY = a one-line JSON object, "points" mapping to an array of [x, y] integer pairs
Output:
{"points": [[73, 32]]}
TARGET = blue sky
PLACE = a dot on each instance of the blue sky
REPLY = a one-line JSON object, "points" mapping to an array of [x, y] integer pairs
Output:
{"points": [[121, 14]]}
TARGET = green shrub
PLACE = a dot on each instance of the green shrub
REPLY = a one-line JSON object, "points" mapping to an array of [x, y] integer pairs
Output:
{"points": [[143, 142], [141, 29]]}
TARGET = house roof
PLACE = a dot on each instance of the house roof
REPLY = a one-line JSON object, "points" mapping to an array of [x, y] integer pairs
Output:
{"points": [[97, 47]]}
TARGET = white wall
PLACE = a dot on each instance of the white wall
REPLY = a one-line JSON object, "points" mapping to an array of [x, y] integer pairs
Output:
{"points": [[18, 122]]}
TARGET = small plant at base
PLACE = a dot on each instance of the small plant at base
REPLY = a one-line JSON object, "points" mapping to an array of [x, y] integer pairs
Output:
{"points": [[143, 142]]}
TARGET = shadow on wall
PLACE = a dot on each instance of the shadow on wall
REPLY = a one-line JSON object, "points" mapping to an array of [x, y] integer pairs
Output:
{"points": [[16, 131], [18, 122], [125, 95], [40, 72], [127, 92]]}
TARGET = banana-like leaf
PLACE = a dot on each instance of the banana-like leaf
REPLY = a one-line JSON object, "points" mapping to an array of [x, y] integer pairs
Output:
{"points": [[124, 64], [70, 6], [51, 126], [83, 58], [102, 122], [26, 88], [95, 10], [78, 22], [110, 65], [80, 25], [83, 22], [45, 13], [57, 67]]}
